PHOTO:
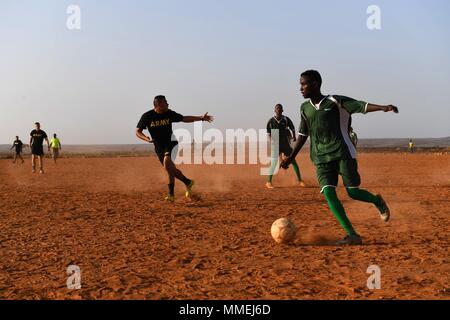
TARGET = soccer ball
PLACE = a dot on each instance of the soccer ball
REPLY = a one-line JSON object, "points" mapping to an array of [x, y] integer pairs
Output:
{"points": [[283, 230]]}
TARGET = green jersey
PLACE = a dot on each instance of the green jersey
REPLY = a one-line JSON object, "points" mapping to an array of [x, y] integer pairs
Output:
{"points": [[327, 125], [54, 143]]}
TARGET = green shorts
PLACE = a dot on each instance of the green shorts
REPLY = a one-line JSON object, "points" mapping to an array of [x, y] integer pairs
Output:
{"points": [[328, 173]]}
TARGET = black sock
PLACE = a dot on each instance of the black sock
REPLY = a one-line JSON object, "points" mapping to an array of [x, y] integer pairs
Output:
{"points": [[171, 188], [186, 181]]}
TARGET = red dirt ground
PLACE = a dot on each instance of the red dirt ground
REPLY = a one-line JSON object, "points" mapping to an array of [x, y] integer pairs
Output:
{"points": [[107, 216]]}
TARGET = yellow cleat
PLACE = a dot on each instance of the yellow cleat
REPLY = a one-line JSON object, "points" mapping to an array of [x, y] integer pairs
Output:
{"points": [[169, 198], [301, 183], [269, 185], [188, 193]]}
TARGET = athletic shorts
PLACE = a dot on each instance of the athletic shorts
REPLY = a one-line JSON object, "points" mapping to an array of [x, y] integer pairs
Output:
{"points": [[55, 151], [328, 173], [170, 149], [37, 150]]}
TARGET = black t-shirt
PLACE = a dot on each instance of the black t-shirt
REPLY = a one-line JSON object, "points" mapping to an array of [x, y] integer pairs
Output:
{"points": [[38, 137], [18, 145], [159, 125], [283, 125]]}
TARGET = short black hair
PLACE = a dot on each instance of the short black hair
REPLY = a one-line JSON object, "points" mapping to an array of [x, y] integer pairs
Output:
{"points": [[37, 123], [312, 75], [158, 99], [279, 105]]}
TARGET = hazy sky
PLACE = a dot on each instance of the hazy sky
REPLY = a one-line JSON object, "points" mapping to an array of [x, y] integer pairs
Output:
{"points": [[235, 59]]}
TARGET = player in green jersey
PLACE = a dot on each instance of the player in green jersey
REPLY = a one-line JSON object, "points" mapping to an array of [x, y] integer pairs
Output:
{"points": [[325, 119], [55, 145], [286, 132]]}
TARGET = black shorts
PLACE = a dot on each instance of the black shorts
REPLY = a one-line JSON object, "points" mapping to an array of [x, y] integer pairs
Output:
{"points": [[170, 149], [37, 150]]}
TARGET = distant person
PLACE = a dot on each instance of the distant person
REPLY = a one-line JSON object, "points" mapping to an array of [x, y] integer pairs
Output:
{"points": [[286, 133], [37, 137], [411, 146], [158, 122], [19, 147], [56, 147], [353, 136], [325, 119]]}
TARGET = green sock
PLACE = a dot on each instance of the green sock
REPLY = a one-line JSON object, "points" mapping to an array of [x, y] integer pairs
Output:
{"points": [[272, 169], [296, 169], [363, 195], [338, 210]]}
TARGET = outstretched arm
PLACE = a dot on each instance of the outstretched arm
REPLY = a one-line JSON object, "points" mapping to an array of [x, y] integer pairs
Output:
{"points": [[205, 117], [375, 107], [298, 146], [142, 136]]}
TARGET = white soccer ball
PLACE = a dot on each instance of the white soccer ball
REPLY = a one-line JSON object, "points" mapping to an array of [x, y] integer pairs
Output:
{"points": [[283, 230]]}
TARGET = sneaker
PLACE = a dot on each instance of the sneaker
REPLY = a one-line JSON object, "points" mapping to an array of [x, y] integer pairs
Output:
{"points": [[350, 240], [188, 193], [385, 213], [301, 183], [269, 185], [41, 171], [170, 198]]}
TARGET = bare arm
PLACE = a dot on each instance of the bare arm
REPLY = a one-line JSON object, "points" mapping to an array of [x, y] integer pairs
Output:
{"points": [[375, 107], [31, 141], [205, 117], [298, 146], [48, 143], [142, 136]]}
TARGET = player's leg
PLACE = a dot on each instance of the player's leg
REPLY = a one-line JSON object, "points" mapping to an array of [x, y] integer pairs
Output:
{"points": [[174, 171], [297, 173], [21, 158], [273, 166], [33, 163], [41, 163], [15, 157], [327, 175], [352, 180], [171, 185]]}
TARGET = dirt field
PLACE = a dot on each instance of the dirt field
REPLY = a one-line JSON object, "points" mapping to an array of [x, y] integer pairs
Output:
{"points": [[107, 216]]}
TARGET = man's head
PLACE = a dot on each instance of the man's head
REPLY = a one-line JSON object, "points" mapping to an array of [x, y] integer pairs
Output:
{"points": [[310, 83], [37, 125], [54, 135], [17, 137], [160, 104], [279, 110]]}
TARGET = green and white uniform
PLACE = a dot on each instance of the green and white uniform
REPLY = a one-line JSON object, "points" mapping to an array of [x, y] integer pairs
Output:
{"points": [[332, 150]]}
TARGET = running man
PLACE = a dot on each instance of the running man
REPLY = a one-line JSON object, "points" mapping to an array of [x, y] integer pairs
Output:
{"points": [[55, 145], [19, 147], [37, 137], [159, 124], [411, 146], [325, 119], [286, 133]]}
